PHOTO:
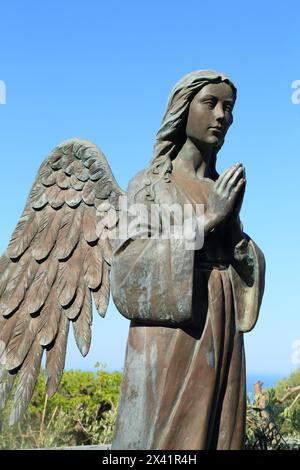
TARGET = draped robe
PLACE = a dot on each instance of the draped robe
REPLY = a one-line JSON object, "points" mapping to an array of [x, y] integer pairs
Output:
{"points": [[183, 386]]}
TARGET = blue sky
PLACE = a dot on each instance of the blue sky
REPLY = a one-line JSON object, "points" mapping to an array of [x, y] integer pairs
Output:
{"points": [[103, 71]]}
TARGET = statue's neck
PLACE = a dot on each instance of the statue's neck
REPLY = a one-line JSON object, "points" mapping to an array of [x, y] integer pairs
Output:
{"points": [[195, 161]]}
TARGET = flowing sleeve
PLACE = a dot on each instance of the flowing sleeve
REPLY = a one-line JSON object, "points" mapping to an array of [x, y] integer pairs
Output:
{"points": [[248, 278], [151, 277]]}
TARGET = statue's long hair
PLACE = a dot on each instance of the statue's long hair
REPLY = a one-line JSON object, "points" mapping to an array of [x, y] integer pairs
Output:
{"points": [[172, 133]]}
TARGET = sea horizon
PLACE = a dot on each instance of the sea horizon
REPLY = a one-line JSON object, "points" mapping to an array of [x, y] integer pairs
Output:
{"points": [[269, 379]]}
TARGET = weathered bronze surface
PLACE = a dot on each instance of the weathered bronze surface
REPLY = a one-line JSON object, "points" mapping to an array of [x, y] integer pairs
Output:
{"points": [[184, 375]]}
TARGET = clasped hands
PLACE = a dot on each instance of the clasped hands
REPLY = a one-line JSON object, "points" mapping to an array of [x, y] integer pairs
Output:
{"points": [[226, 197]]}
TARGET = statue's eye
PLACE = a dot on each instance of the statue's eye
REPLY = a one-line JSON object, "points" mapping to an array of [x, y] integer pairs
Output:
{"points": [[210, 103], [228, 108]]}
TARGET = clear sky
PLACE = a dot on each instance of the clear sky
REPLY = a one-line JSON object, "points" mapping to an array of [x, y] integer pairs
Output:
{"points": [[102, 70]]}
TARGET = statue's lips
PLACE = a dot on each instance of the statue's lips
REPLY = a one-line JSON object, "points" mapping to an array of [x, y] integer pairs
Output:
{"points": [[216, 129]]}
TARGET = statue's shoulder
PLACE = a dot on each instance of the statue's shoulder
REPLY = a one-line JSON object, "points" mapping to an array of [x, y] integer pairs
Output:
{"points": [[137, 184], [138, 179]]}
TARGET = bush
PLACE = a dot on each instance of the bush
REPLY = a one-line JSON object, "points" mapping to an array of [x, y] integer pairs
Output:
{"points": [[273, 417], [83, 411], [289, 389]]}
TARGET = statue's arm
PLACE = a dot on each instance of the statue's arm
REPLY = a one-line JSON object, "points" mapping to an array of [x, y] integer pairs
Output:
{"points": [[151, 278], [248, 279]]}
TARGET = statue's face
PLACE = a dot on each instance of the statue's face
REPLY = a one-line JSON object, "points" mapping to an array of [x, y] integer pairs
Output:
{"points": [[210, 114]]}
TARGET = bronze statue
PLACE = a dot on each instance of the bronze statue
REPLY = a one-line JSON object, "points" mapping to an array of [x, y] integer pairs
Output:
{"points": [[184, 375]]}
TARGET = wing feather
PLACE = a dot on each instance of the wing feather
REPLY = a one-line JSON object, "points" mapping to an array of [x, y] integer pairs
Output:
{"points": [[63, 180], [106, 249], [42, 284], [23, 235], [72, 311], [55, 197], [92, 267], [53, 312], [69, 232], [55, 357], [90, 224], [47, 235], [6, 270], [7, 331], [101, 295], [6, 382], [18, 284], [24, 335], [27, 379], [88, 193], [82, 325], [68, 276], [76, 184], [48, 178], [39, 197], [73, 197]]}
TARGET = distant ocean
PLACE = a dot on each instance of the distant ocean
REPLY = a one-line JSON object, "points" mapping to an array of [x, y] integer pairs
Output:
{"points": [[269, 380]]}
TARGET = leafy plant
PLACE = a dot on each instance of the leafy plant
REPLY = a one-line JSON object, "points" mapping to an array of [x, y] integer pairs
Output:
{"points": [[273, 417], [83, 411]]}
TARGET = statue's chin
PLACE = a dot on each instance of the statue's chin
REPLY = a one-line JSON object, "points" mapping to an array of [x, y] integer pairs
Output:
{"points": [[219, 143]]}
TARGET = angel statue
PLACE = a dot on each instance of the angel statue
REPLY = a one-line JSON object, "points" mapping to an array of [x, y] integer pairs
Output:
{"points": [[184, 376]]}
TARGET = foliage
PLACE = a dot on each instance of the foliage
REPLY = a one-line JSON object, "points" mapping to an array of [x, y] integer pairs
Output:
{"points": [[290, 408], [273, 417], [83, 411], [262, 424]]}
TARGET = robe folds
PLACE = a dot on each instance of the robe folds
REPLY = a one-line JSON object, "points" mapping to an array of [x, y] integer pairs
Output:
{"points": [[183, 385]]}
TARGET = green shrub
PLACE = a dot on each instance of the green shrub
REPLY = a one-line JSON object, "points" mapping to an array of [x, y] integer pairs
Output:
{"points": [[83, 411], [273, 417]]}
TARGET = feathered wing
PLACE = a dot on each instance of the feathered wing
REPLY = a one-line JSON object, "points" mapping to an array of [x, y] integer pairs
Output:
{"points": [[57, 260]]}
